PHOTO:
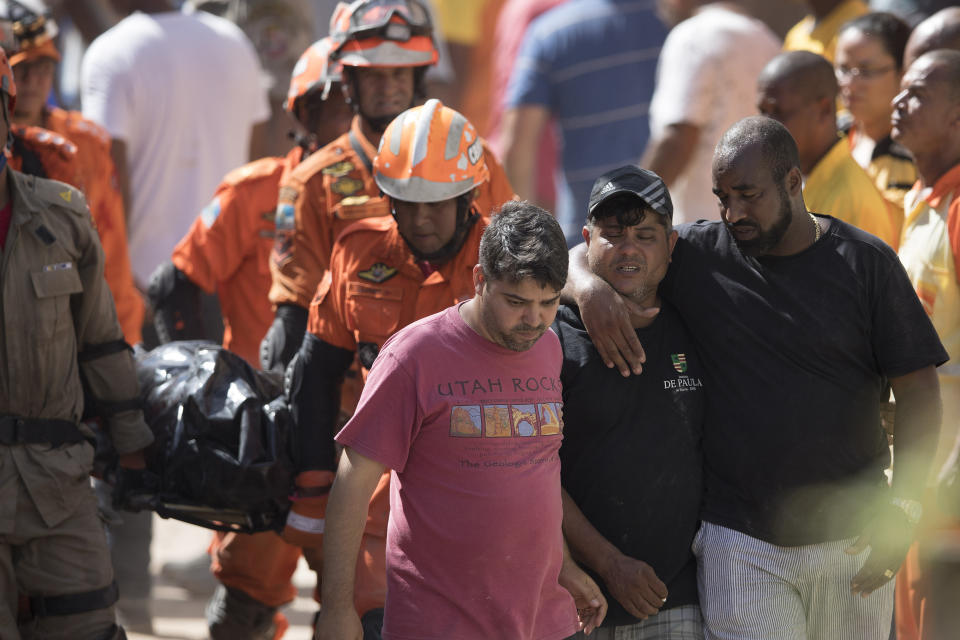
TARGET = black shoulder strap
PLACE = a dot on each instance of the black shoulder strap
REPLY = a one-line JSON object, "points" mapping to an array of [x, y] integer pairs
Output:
{"points": [[358, 149], [30, 161], [95, 351]]}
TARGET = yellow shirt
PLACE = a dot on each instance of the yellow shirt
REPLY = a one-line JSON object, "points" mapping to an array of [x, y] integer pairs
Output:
{"points": [[930, 252], [892, 170], [821, 37], [460, 21], [838, 186]]}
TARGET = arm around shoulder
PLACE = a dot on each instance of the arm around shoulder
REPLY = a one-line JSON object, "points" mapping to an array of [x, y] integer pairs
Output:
{"points": [[606, 315]]}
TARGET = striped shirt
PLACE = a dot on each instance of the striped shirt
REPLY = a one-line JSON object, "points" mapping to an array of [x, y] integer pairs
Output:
{"points": [[592, 64]]}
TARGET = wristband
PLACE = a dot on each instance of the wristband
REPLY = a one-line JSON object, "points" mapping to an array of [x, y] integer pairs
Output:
{"points": [[911, 508]]}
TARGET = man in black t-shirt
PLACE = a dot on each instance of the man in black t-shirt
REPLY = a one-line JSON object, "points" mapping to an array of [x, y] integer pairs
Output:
{"points": [[630, 460], [801, 320]]}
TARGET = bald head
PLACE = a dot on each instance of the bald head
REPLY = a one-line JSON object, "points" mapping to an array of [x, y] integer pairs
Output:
{"points": [[926, 112], [939, 31], [772, 138], [807, 74], [799, 89], [942, 71]]}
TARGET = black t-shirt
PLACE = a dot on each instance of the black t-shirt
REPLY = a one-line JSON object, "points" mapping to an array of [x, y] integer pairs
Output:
{"points": [[631, 456], [797, 349]]}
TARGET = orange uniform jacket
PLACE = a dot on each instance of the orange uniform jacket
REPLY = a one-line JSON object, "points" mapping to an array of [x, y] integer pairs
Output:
{"points": [[374, 289], [227, 250], [98, 181], [37, 151], [328, 192]]}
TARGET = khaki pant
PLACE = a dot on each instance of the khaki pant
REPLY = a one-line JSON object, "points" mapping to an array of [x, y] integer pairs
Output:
{"points": [[41, 560]]}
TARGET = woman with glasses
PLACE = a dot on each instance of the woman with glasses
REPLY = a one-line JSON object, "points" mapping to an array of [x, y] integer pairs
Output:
{"points": [[868, 65]]}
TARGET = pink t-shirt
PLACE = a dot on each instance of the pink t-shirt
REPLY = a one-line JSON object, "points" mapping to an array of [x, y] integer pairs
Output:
{"points": [[471, 430]]}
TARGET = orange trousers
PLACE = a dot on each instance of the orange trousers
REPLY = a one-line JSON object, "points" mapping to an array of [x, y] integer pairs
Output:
{"points": [[260, 564], [928, 586]]}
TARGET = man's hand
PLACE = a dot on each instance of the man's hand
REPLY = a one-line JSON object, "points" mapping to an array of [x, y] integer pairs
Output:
{"points": [[134, 487], [338, 624], [607, 317], [635, 585], [591, 605], [889, 535]]}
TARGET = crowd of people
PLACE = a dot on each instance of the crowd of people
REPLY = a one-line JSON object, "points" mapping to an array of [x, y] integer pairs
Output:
{"points": [[629, 319]]}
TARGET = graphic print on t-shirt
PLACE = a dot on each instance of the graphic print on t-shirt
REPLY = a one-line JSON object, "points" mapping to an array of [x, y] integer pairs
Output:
{"points": [[505, 420]]}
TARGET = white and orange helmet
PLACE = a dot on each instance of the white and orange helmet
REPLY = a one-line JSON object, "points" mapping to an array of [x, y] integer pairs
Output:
{"points": [[383, 33], [429, 153], [27, 31], [313, 71]]}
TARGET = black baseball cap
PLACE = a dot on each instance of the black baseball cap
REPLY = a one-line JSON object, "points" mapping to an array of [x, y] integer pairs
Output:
{"points": [[644, 184]]}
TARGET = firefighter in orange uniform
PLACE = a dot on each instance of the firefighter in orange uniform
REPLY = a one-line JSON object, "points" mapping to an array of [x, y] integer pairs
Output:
{"points": [[38, 152], [385, 47], [227, 251], [385, 273], [34, 58]]}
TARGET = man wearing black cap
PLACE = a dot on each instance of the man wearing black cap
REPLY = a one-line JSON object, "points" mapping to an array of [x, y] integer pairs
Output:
{"points": [[801, 321], [630, 460]]}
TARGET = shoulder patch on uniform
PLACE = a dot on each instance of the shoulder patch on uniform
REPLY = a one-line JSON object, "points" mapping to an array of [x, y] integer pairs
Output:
{"points": [[211, 212], [347, 186], [378, 273], [54, 193], [352, 201], [338, 169], [285, 218], [259, 169]]}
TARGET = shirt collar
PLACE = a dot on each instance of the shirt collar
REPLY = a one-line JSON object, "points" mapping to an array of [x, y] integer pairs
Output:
{"points": [[947, 184]]}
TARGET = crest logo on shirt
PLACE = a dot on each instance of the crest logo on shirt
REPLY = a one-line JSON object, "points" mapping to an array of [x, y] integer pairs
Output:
{"points": [[679, 361], [378, 273], [66, 195], [338, 170], [347, 186]]}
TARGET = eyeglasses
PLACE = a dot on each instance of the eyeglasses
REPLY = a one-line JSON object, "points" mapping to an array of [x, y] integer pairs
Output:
{"points": [[844, 72]]}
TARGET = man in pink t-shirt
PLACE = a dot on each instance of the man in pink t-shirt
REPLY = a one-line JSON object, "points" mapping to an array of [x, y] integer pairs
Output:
{"points": [[465, 407]]}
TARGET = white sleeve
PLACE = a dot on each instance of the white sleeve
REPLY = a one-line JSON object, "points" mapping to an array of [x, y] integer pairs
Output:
{"points": [[107, 89], [259, 98], [686, 77]]}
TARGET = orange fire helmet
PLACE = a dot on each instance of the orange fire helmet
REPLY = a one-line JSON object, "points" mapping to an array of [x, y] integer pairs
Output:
{"points": [[383, 33], [314, 70], [28, 32], [429, 153]]}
